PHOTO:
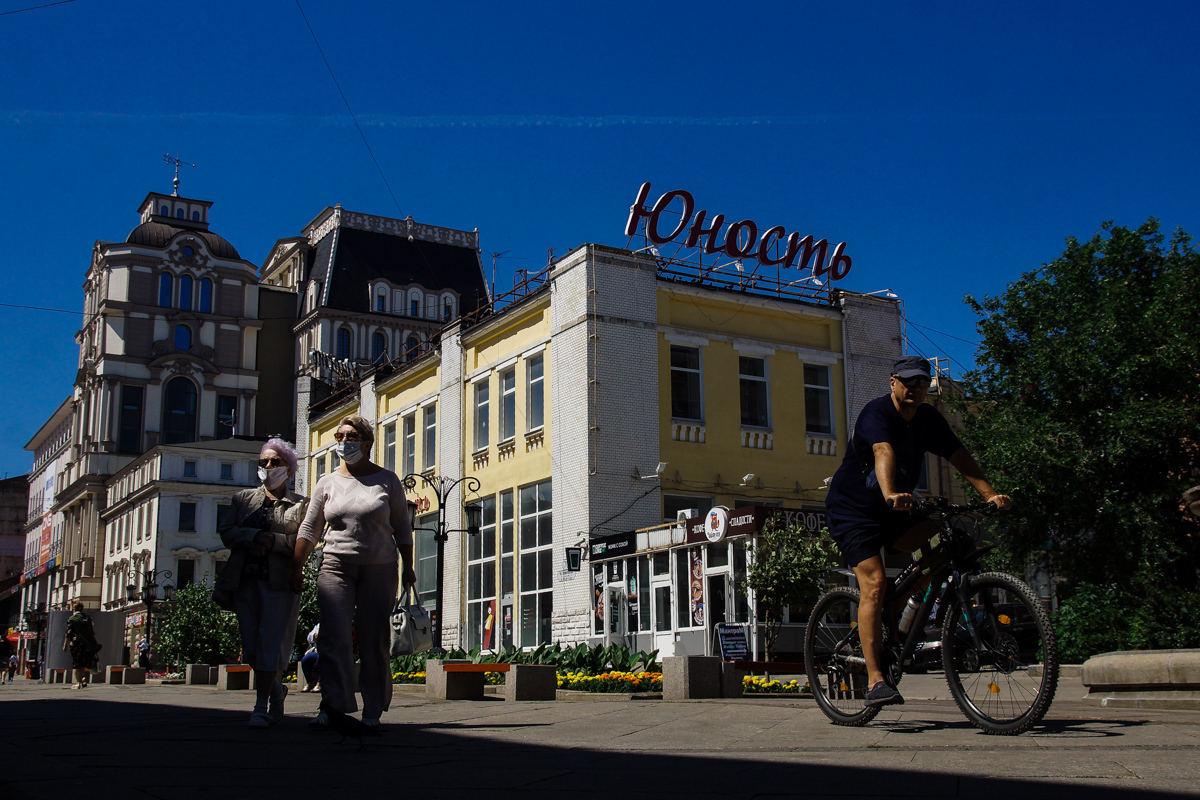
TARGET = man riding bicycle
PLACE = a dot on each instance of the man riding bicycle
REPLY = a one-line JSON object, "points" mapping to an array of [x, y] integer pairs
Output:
{"points": [[870, 497]]}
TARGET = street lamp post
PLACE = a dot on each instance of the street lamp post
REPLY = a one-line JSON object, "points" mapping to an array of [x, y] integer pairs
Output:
{"points": [[149, 596], [442, 487], [35, 615]]}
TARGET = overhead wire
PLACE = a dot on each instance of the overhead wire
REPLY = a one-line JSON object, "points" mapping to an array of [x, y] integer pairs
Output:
{"points": [[348, 108], [35, 8]]}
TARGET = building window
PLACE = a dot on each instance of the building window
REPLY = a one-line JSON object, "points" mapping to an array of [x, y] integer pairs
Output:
{"points": [[321, 462], [481, 415], [535, 415], [412, 348], [185, 573], [378, 346], [426, 554], [185, 293], [130, 440], [752, 373], [183, 337], [206, 289], [189, 469], [164, 290], [674, 503], [179, 411], [343, 343], [187, 517], [226, 416], [222, 511], [179, 213], [447, 310], [818, 400], [380, 301], [481, 581], [165, 211], [685, 383], [195, 216], [414, 307], [410, 444], [389, 447], [507, 544], [429, 446], [226, 471], [536, 572], [508, 404]]}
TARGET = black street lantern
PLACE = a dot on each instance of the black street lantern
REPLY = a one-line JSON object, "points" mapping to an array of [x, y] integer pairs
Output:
{"points": [[442, 487], [148, 594]]}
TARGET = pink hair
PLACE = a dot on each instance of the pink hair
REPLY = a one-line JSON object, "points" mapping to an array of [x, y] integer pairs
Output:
{"points": [[285, 451]]}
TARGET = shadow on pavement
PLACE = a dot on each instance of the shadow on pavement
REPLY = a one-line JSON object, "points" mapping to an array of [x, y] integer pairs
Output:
{"points": [[1058, 728], [97, 749]]}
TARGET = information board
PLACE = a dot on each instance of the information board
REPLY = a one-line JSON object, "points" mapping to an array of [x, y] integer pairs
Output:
{"points": [[732, 641]]}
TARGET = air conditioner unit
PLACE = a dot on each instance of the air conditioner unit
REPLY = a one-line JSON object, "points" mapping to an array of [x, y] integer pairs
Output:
{"points": [[686, 513]]}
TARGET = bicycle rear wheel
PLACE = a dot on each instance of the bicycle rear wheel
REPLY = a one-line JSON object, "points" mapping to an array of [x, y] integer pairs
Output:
{"points": [[833, 659], [990, 678]]}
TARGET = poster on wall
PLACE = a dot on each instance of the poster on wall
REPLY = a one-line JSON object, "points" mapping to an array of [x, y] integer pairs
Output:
{"points": [[489, 626], [598, 599], [696, 556]]}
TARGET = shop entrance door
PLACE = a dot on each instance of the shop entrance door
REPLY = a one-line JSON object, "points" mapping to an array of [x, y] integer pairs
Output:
{"points": [[616, 612], [718, 596]]}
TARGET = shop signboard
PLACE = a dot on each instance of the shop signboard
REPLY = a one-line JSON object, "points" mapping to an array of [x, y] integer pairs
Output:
{"points": [[617, 545], [716, 524], [732, 640], [749, 520], [44, 544]]}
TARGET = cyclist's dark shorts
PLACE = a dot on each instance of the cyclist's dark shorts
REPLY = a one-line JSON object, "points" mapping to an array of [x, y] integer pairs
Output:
{"points": [[859, 538]]}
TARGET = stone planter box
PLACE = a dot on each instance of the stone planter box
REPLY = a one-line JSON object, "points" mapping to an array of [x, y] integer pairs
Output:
{"points": [[1144, 679]]}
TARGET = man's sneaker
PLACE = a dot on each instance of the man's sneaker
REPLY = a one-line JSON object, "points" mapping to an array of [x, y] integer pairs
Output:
{"points": [[372, 723], [320, 722], [259, 719], [883, 695], [275, 703]]}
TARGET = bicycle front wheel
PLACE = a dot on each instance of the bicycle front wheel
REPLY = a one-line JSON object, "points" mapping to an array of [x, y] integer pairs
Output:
{"points": [[833, 659], [989, 672]]}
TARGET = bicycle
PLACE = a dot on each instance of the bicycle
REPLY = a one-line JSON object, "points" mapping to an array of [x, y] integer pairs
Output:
{"points": [[993, 629]]}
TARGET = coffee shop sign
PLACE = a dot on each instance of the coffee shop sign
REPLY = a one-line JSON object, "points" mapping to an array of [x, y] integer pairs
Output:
{"points": [[775, 247]]}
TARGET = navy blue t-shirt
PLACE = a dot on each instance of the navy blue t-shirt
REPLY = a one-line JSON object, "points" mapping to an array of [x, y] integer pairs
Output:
{"points": [[854, 491]]}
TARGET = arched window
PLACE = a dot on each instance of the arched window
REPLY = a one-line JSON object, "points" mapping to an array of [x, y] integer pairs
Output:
{"points": [[380, 300], [195, 216], [447, 309], [206, 287], [179, 213], [410, 348], [164, 290], [179, 412], [166, 211], [183, 337], [378, 345], [185, 292], [343, 343]]}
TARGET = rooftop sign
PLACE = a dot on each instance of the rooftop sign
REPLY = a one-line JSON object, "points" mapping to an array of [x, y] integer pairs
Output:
{"points": [[774, 247]]}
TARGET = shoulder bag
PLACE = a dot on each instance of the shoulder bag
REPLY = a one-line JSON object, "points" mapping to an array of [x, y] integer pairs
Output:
{"points": [[412, 627]]}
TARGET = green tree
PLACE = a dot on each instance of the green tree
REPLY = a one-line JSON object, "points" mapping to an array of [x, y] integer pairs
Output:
{"points": [[789, 569], [310, 614], [1085, 408], [195, 630]]}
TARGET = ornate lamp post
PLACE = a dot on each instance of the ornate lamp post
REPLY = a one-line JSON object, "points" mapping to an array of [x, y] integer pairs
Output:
{"points": [[442, 487], [35, 616], [149, 596]]}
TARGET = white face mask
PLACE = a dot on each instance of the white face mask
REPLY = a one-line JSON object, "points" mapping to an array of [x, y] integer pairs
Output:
{"points": [[271, 478], [350, 452]]}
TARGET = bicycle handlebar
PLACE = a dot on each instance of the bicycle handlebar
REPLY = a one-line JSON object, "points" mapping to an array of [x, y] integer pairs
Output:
{"points": [[931, 504]]}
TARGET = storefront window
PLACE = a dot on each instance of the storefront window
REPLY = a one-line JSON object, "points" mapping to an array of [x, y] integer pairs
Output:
{"points": [[536, 568], [718, 554], [426, 558], [741, 604], [662, 608], [481, 581]]}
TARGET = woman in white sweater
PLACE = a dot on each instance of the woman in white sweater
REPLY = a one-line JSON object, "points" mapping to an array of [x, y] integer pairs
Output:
{"points": [[362, 513]]}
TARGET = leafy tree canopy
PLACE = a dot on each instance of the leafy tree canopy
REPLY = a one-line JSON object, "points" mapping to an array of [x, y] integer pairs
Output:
{"points": [[1085, 406]]}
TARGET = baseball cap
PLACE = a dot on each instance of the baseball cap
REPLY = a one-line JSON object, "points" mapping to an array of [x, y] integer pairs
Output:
{"points": [[911, 367]]}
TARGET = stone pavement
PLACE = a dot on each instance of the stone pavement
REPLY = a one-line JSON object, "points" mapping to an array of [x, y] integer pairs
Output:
{"points": [[181, 742]]}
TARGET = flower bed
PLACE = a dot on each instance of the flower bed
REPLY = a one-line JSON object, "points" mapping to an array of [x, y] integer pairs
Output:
{"points": [[754, 684], [409, 677], [611, 682]]}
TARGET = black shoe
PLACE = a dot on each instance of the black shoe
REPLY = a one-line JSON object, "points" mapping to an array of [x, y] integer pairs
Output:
{"points": [[883, 695]]}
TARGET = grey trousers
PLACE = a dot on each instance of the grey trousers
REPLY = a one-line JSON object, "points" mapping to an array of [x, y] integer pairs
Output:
{"points": [[267, 620], [356, 600]]}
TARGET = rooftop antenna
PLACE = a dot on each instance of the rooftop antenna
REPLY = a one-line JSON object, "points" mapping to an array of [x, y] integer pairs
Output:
{"points": [[178, 162], [495, 256]]}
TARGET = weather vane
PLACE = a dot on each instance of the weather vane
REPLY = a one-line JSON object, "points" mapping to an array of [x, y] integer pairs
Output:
{"points": [[178, 162]]}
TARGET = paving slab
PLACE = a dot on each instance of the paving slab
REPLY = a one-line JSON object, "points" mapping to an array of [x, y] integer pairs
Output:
{"points": [[180, 742]]}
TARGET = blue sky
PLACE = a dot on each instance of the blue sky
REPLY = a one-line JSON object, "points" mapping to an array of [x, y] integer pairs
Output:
{"points": [[953, 146]]}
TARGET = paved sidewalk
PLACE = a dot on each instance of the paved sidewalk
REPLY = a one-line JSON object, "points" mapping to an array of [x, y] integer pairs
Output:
{"points": [[181, 742]]}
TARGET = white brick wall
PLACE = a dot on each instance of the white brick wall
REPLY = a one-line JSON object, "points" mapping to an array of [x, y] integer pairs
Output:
{"points": [[873, 343], [449, 465]]}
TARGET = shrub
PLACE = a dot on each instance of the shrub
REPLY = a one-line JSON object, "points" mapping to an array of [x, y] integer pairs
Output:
{"points": [[195, 630], [1149, 616]]}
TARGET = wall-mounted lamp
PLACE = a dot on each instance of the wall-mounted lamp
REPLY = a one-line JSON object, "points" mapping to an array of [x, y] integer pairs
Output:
{"points": [[574, 559], [884, 292], [658, 471], [749, 476]]}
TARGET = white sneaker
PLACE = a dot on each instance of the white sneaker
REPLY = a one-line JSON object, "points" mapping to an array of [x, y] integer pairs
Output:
{"points": [[275, 704], [259, 719]]}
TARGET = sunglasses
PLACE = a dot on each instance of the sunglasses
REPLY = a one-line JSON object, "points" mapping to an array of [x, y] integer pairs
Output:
{"points": [[271, 462], [347, 437], [914, 382]]}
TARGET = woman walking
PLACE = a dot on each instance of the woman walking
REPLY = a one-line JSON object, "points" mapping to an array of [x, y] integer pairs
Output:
{"points": [[81, 641], [362, 512], [259, 528]]}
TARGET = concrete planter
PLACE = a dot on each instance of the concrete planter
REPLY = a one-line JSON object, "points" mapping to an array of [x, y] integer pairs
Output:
{"points": [[1144, 679]]}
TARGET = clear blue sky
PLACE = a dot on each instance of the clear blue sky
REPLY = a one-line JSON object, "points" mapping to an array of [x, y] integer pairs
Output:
{"points": [[953, 146]]}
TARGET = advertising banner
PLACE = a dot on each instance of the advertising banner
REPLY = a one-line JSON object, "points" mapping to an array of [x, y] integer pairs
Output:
{"points": [[44, 544]]}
